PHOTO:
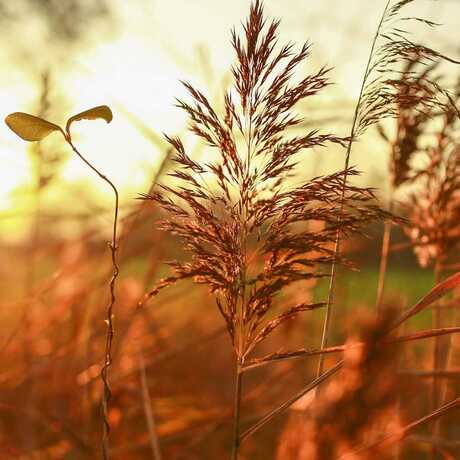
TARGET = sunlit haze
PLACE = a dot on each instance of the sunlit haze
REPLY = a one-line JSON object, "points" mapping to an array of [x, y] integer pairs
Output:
{"points": [[136, 64], [229, 229]]}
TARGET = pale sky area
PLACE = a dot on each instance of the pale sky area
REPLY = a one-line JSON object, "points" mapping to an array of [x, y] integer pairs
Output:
{"points": [[135, 68]]}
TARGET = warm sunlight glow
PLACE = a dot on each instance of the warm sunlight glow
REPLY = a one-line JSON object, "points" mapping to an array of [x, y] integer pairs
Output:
{"points": [[138, 69], [138, 85], [229, 230]]}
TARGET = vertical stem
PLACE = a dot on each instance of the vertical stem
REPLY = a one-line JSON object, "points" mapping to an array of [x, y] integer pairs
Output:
{"points": [[400, 365], [384, 258], [330, 298], [436, 323], [383, 264], [153, 436], [449, 357], [37, 161], [29, 432], [237, 410], [107, 395], [241, 306]]}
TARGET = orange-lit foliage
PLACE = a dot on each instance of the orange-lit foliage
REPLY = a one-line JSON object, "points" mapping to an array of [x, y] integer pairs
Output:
{"points": [[262, 244]]}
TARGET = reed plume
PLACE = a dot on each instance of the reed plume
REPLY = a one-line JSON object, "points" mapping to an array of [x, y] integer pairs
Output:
{"points": [[242, 218], [434, 211], [412, 123], [434, 207]]}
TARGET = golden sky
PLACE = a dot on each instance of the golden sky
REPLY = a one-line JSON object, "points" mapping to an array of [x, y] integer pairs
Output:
{"points": [[135, 66]]}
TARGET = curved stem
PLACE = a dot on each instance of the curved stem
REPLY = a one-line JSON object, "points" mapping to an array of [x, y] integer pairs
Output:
{"points": [[330, 298], [109, 319]]}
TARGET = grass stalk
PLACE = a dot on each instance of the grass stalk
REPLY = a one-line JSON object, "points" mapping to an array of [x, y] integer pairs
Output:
{"points": [[400, 363], [333, 274], [237, 411], [436, 323], [383, 264], [396, 436], [386, 241], [146, 402]]}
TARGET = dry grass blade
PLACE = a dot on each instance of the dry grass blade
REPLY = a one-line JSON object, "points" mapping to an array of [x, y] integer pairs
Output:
{"points": [[149, 416], [353, 405], [280, 356], [383, 331], [285, 406], [440, 290], [402, 432]]}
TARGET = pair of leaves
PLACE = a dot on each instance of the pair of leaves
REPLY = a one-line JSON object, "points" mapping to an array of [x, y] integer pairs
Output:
{"points": [[32, 128]]}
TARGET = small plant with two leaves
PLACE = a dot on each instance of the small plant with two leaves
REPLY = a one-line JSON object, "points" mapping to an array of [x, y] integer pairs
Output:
{"points": [[34, 129]]}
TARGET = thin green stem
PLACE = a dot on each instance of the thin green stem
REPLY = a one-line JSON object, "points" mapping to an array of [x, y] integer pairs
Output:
{"points": [[330, 298], [107, 395]]}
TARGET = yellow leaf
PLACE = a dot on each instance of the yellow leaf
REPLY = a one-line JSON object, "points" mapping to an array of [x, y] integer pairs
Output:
{"points": [[102, 111], [29, 127]]}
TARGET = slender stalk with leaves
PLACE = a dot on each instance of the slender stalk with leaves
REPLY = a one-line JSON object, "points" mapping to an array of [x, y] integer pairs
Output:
{"points": [[384, 91], [32, 129], [412, 123]]}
